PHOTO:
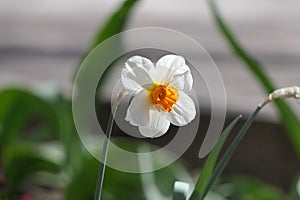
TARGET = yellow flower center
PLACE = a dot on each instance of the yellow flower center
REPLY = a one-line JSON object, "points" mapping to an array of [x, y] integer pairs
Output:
{"points": [[164, 97]]}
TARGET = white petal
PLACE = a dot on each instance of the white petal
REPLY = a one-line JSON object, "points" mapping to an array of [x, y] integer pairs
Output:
{"points": [[183, 81], [138, 110], [137, 73], [183, 111], [166, 65], [172, 69], [157, 125]]}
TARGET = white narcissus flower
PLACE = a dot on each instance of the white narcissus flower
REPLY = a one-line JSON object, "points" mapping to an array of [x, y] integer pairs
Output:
{"points": [[159, 93]]}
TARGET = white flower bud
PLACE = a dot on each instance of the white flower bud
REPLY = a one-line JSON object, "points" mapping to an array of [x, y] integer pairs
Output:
{"points": [[288, 92]]}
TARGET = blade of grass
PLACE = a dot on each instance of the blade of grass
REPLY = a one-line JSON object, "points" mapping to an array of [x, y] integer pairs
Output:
{"points": [[287, 115], [223, 162], [211, 160]]}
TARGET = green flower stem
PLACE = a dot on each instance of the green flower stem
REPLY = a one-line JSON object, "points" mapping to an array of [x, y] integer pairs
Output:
{"points": [[99, 187], [223, 162]]}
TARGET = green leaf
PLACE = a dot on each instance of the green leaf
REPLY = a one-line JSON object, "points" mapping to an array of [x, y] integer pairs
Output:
{"points": [[22, 159], [67, 131], [210, 162], [287, 115], [35, 116], [115, 24], [83, 179], [22, 112], [228, 153]]}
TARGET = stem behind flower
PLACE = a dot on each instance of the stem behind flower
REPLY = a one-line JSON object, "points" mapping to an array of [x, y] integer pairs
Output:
{"points": [[103, 161]]}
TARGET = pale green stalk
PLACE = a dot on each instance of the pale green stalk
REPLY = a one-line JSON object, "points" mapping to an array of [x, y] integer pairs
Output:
{"points": [[99, 187]]}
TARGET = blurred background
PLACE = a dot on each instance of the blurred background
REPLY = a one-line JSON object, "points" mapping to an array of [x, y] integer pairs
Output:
{"points": [[43, 42]]}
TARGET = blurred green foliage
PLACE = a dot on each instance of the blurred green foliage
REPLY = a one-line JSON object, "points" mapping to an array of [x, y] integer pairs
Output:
{"points": [[39, 146], [57, 159], [248, 189]]}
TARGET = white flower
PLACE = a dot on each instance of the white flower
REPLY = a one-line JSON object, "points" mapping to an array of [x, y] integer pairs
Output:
{"points": [[160, 94]]}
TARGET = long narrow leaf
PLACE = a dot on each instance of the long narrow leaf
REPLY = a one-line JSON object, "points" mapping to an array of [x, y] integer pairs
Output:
{"points": [[223, 162], [210, 162], [288, 117], [115, 24]]}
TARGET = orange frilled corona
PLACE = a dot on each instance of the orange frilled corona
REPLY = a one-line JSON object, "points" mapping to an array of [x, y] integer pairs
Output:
{"points": [[164, 96]]}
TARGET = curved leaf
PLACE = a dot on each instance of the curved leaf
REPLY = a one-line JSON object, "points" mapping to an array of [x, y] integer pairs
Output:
{"points": [[211, 161], [115, 24], [20, 109], [229, 152], [287, 115], [22, 160]]}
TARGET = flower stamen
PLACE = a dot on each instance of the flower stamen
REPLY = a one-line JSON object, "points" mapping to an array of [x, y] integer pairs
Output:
{"points": [[164, 97]]}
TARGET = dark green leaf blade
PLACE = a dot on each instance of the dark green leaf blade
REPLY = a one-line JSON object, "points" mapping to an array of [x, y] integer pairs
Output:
{"points": [[229, 152], [210, 162], [287, 115]]}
